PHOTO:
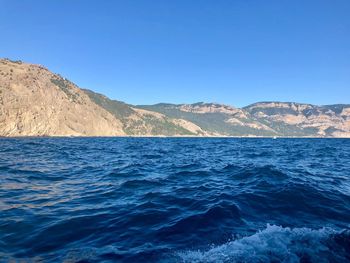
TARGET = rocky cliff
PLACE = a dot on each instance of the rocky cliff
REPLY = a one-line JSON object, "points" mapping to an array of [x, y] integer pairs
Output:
{"points": [[37, 102]]}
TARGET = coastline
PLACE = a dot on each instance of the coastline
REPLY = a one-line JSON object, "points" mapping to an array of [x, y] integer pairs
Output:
{"points": [[176, 136]]}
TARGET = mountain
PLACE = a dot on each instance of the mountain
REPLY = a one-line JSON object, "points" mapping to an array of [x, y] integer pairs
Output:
{"points": [[297, 119], [216, 119], [37, 102], [263, 118], [138, 121]]}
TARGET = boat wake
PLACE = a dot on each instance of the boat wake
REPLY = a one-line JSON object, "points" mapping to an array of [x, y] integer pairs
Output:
{"points": [[279, 244]]}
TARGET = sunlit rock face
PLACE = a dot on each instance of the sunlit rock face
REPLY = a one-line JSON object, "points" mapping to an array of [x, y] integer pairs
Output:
{"points": [[328, 120], [36, 102]]}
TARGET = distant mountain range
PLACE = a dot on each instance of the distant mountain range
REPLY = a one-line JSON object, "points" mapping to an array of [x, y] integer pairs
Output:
{"points": [[37, 102]]}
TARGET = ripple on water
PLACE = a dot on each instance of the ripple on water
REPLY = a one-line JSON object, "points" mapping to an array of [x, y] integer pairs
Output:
{"points": [[174, 200]]}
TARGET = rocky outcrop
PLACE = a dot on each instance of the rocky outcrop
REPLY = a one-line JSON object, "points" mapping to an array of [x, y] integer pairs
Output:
{"points": [[312, 120], [36, 102]]}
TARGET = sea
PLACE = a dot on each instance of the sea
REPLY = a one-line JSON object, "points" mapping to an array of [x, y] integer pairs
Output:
{"points": [[174, 200]]}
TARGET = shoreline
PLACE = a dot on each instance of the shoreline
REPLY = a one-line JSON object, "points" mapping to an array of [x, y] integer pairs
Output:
{"points": [[175, 136]]}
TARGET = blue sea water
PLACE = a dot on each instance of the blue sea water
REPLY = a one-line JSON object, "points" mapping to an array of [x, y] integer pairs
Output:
{"points": [[174, 200]]}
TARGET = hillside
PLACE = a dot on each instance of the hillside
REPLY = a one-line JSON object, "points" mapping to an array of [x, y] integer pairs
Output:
{"points": [[216, 119], [263, 119], [37, 102], [137, 121], [296, 119]]}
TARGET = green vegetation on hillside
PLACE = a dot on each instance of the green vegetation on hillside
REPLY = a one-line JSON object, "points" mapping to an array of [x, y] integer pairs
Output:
{"points": [[117, 108], [215, 123], [64, 85], [143, 124]]}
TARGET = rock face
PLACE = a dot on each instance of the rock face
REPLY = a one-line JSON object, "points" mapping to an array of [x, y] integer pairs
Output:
{"points": [[303, 119], [36, 102]]}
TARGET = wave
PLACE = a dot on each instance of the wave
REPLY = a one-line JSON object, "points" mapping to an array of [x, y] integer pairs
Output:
{"points": [[279, 244], [174, 200]]}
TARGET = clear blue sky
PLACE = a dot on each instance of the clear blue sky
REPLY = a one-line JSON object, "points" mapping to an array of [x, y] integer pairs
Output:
{"points": [[235, 51]]}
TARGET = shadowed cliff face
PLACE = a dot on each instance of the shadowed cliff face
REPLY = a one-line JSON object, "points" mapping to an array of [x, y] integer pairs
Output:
{"points": [[36, 102]]}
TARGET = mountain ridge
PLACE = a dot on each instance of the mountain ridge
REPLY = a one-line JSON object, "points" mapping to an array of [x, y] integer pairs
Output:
{"points": [[36, 102]]}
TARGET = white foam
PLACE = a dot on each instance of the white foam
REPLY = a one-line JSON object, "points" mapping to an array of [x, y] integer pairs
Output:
{"points": [[274, 243]]}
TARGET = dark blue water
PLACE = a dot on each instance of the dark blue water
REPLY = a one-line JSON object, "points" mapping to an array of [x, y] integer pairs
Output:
{"points": [[174, 200]]}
